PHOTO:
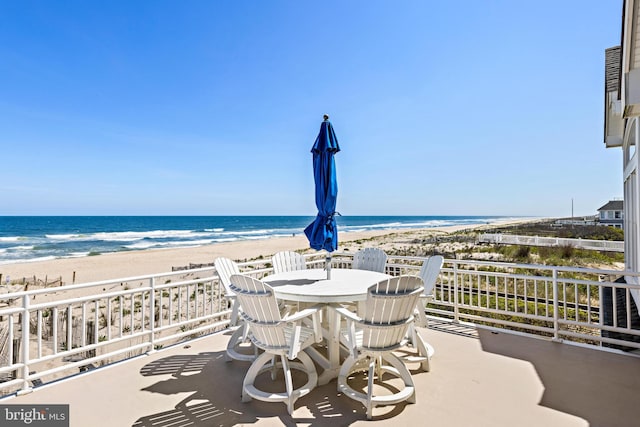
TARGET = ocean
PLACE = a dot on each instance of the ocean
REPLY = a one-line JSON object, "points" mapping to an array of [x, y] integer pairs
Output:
{"points": [[36, 238]]}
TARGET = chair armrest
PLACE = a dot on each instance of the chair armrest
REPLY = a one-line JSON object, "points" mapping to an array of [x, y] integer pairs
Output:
{"points": [[299, 315], [349, 339], [345, 312]]}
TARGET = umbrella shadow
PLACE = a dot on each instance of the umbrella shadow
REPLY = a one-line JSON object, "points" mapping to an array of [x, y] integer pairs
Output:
{"points": [[215, 396]]}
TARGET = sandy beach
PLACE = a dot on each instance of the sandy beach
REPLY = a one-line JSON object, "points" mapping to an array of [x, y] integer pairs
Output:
{"points": [[152, 261]]}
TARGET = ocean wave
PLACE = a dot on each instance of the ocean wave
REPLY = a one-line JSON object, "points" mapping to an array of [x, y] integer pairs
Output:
{"points": [[150, 244], [256, 237], [64, 236], [124, 236], [20, 248], [22, 260], [225, 239], [245, 232], [77, 254], [142, 245], [97, 238]]}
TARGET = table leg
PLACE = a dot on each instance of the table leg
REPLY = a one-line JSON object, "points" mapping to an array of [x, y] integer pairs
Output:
{"points": [[333, 348]]}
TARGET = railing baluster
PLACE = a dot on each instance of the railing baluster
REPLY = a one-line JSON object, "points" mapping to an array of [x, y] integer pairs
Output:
{"points": [[512, 307], [132, 313], [84, 324], [614, 292], [628, 297], [96, 323], [564, 298], [54, 327], [576, 302], [556, 324], [38, 338], [456, 303], [69, 328], [535, 297], [121, 314], [152, 314], [25, 344], [108, 319], [525, 293], [188, 302], [171, 306], [10, 341]]}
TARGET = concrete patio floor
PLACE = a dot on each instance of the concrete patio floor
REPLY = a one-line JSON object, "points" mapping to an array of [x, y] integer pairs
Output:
{"points": [[478, 378]]}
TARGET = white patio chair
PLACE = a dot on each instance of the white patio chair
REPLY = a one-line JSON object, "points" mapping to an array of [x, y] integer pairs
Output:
{"points": [[286, 337], [288, 261], [372, 259], [429, 274], [225, 268], [372, 338]]}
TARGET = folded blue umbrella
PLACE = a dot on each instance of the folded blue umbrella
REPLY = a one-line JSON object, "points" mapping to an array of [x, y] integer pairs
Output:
{"points": [[323, 231]]}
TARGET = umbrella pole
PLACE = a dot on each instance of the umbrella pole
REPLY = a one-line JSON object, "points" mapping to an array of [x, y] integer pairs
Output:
{"points": [[327, 261]]}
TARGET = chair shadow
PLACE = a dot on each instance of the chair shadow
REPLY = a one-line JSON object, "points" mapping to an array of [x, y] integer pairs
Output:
{"points": [[216, 396], [598, 386]]}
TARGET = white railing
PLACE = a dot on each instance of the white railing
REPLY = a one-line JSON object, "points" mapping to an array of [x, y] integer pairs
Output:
{"points": [[564, 303], [510, 239], [78, 327]]}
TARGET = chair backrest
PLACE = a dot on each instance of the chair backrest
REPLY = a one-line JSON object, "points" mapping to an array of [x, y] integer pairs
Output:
{"points": [[389, 310], [288, 261], [430, 271], [225, 268], [260, 309], [373, 259]]}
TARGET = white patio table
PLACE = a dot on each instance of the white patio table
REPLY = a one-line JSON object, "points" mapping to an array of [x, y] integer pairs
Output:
{"points": [[312, 286]]}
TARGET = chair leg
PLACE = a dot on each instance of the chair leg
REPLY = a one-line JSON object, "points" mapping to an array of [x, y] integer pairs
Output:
{"points": [[422, 317], [373, 361], [424, 350], [404, 373], [288, 381], [234, 313], [236, 339], [379, 371], [274, 368], [267, 361], [395, 367], [252, 373]]}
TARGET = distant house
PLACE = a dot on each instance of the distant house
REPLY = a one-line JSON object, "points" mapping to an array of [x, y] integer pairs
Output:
{"points": [[612, 214]]}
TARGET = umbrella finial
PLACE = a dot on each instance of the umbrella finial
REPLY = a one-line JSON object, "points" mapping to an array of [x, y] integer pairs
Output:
{"points": [[326, 117]]}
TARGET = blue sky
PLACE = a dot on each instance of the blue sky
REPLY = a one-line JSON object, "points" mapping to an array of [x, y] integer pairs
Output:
{"points": [[211, 107]]}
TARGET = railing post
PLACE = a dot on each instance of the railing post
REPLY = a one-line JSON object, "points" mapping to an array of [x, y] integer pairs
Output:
{"points": [[152, 316], [456, 309], [25, 345], [601, 279], [556, 310]]}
